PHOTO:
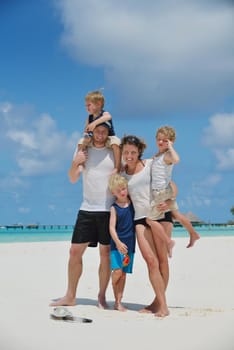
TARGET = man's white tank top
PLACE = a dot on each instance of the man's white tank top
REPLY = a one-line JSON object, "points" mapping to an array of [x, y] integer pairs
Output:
{"points": [[96, 173], [139, 187]]}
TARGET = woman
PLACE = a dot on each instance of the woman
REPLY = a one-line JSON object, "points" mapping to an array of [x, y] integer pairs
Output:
{"points": [[153, 250]]}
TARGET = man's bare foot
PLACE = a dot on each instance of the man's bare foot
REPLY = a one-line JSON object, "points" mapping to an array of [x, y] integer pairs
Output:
{"points": [[120, 307], [65, 301], [150, 309], [162, 312], [170, 247], [193, 238], [102, 304]]}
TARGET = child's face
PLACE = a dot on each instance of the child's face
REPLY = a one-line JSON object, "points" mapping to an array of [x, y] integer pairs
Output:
{"points": [[162, 142], [93, 108], [121, 192]]}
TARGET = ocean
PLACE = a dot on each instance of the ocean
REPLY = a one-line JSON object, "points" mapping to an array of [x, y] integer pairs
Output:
{"points": [[47, 233]]}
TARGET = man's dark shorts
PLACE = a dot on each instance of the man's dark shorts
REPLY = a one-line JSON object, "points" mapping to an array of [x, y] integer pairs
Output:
{"points": [[92, 227], [167, 218]]}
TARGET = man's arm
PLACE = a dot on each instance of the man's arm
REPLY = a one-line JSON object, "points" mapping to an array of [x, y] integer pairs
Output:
{"points": [[74, 171]]}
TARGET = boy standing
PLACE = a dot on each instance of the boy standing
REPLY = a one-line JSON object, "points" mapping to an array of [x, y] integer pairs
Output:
{"points": [[122, 237]]}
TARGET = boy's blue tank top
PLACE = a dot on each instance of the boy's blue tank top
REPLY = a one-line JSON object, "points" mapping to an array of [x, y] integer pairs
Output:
{"points": [[125, 227], [92, 118]]}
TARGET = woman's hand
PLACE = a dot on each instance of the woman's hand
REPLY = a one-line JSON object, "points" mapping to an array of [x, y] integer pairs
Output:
{"points": [[164, 206]]}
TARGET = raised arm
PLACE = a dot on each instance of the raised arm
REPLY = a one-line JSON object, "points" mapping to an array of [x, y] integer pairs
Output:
{"points": [[171, 156], [104, 118]]}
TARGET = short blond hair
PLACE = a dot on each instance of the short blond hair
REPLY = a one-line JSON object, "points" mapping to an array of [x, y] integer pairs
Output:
{"points": [[116, 181], [168, 131], [95, 97]]}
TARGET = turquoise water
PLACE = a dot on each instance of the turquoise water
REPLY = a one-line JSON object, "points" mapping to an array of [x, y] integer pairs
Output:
{"points": [[64, 233]]}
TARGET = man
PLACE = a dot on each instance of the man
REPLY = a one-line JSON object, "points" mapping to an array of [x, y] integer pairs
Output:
{"points": [[92, 224]]}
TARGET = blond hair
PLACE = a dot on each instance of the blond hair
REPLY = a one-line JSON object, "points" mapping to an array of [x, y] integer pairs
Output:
{"points": [[116, 181], [168, 131], [95, 97]]}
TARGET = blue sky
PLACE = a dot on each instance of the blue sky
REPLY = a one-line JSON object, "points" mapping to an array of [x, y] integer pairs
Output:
{"points": [[158, 64]]}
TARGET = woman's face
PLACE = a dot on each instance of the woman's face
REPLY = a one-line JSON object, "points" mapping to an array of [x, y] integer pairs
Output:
{"points": [[130, 154]]}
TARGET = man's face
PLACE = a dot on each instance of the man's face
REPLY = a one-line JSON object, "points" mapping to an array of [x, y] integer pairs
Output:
{"points": [[100, 135]]}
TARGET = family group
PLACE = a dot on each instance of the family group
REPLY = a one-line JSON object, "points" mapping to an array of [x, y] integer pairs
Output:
{"points": [[126, 199]]}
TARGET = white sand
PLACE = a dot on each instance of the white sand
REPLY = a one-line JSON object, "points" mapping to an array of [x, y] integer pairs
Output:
{"points": [[200, 296]]}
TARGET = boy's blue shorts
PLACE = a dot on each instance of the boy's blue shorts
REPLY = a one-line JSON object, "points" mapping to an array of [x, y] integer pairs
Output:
{"points": [[117, 261]]}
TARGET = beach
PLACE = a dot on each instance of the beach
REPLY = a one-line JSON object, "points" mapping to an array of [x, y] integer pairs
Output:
{"points": [[200, 297]]}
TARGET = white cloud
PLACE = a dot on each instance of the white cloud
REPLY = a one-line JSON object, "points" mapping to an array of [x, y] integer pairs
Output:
{"points": [[218, 136], [211, 181], [40, 147], [220, 131], [158, 56]]}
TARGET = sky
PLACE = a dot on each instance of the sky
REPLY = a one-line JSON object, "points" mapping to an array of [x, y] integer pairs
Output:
{"points": [[157, 63]]}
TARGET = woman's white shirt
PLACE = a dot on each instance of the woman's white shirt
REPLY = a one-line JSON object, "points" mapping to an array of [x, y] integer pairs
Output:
{"points": [[139, 188]]}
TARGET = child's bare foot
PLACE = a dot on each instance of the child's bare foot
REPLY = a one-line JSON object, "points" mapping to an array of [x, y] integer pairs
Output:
{"points": [[120, 307], [65, 301], [193, 238], [114, 171], [170, 247]]}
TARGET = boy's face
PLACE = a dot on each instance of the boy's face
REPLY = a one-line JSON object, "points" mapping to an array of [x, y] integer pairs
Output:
{"points": [[162, 142], [121, 192], [93, 108]]}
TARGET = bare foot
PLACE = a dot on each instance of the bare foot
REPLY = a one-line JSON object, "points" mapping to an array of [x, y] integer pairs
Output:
{"points": [[193, 238], [65, 301], [150, 309], [162, 312], [114, 171], [120, 307], [102, 303], [170, 247]]}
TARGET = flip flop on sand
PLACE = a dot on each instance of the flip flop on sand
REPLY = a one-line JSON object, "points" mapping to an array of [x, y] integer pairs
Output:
{"points": [[63, 314]]}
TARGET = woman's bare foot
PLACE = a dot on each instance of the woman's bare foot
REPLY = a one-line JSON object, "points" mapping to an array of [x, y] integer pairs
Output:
{"points": [[193, 238], [170, 247], [120, 307], [65, 301]]}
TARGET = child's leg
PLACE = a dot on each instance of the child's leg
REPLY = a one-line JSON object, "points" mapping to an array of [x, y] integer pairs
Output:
{"points": [[113, 142], [117, 157], [158, 230], [118, 284], [194, 236]]}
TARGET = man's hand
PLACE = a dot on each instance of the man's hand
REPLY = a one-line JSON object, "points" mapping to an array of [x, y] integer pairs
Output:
{"points": [[80, 157]]}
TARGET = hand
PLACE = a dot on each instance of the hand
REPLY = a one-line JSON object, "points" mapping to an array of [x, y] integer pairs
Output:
{"points": [[80, 157], [122, 248], [163, 206], [90, 127]]}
